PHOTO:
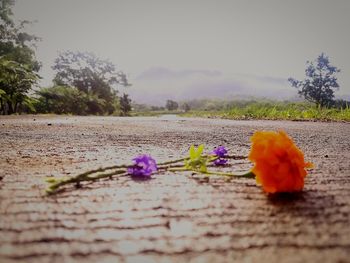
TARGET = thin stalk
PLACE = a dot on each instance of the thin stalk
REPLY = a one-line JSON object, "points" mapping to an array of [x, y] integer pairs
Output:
{"points": [[103, 169], [173, 161], [236, 157], [77, 179], [248, 174], [172, 165], [179, 169]]}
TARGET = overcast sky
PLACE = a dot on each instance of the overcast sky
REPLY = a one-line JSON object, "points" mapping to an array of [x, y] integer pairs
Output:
{"points": [[184, 48]]}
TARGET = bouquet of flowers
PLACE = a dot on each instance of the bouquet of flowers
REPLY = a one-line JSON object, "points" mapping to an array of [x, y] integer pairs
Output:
{"points": [[278, 165]]}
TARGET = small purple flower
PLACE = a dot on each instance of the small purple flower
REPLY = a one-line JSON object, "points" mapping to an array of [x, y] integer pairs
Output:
{"points": [[220, 152], [144, 165], [220, 161]]}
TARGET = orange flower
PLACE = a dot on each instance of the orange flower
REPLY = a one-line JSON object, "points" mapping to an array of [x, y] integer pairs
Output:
{"points": [[279, 163]]}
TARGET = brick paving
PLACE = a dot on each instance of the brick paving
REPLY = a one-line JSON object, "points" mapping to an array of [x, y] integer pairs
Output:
{"points": [[172, 217]]}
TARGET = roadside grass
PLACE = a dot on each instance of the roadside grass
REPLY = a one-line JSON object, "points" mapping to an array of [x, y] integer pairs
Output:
{"points": [[149, 113], [276, 111]]}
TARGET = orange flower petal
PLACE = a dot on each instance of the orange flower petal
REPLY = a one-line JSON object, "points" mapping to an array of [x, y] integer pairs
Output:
{"points": [[279, 163]]}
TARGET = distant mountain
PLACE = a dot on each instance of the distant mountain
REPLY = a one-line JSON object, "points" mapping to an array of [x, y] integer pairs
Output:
{"points": [[156, 85]]}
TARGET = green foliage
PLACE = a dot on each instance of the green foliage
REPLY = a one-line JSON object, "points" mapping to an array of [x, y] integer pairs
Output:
{"points": [[18, 65], [147, 110], [70, 100], [63, 100], [171, 105], [341, 104], [218, 104], [273, 110], [92, 76], [29, 105], [196, 161], [7, 25], [125, 105], [15, 81], [2, 93], [255, 109]]}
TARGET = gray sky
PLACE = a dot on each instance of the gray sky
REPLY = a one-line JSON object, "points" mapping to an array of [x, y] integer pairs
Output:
{"points": [[185, 48]]}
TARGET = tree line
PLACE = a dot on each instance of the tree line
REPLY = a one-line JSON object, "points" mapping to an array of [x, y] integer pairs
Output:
{"points": [[85, 84], [18, 64]]}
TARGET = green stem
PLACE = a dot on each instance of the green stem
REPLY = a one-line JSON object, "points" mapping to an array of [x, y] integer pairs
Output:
{"points": [[80, 178], [248, 174], [102, 169], [173, 161], [236, 157], [179, 169], [96, 174]]}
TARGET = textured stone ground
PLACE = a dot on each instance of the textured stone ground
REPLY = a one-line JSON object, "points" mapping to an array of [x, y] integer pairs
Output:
{"points": [[173, 217]]}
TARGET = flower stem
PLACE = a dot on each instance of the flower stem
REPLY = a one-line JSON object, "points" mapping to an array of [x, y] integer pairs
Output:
{"points": [[236, 157], [102, 169], [171, 162], [248, 174], [178, 169], [172, 165], [54, 186]]}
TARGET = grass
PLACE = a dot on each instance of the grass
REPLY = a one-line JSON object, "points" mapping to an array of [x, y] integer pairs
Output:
{"points": [[276, 111], [149, 113]]}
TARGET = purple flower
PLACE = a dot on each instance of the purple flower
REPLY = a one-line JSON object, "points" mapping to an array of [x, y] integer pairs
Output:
{"points": [[221, 153], [144, 165], [220, 161]]}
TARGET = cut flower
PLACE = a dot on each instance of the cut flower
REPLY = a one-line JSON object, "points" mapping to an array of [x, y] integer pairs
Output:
{"points": [[279, 164], [221, 153], [144, 165]]}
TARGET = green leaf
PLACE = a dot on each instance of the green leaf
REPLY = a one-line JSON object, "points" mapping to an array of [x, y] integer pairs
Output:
{"points": [[192, 152], [200, 150], [51, 180], [196, 162], [29, 102], [203, 168]]}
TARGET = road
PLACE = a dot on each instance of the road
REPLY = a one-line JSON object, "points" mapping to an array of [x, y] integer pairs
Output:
{"points": [[172, 217]]}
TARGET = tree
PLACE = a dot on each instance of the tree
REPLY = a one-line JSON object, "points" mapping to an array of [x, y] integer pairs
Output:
{"points": [[125, 105], [62, 100], [15, 81], [90, 75], [6, 22], [18, 65], [186, 107], [320, 82], [171, 105]]}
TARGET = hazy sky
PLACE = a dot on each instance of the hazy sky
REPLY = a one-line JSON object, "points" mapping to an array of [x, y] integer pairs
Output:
{"points": [[184, 48]]}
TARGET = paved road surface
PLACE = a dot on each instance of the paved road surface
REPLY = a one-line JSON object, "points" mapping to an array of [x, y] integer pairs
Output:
{"points": [[173, 217]]}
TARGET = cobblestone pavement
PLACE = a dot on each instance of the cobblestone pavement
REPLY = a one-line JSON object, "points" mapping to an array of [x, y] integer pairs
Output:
{"points": [[173, 217]]}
